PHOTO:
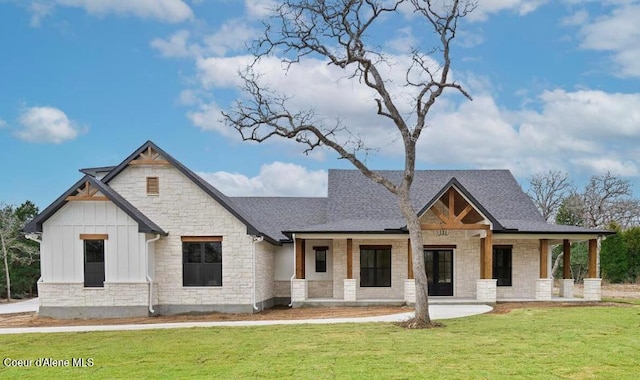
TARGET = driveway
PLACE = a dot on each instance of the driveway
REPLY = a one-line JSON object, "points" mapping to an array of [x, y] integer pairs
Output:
{"points": [[31, 305], [437, 312]]}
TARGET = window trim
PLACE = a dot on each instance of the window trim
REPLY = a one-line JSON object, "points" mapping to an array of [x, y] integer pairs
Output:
{"points": [[376, 249], [501, 281], [202, 240]]}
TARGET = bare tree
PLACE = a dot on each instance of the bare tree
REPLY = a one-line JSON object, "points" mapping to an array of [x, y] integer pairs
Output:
{"points": [[338, 31], [548, 190], [608, 198]]}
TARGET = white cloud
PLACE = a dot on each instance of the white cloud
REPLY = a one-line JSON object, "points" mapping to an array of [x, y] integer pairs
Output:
{"points": [[176, 46], [258, 9], [488, 7], [233, 35], [208, 117], [275, 179], [46, 124], [617, 33], [172, 11], [3, 123], [39, 10]]}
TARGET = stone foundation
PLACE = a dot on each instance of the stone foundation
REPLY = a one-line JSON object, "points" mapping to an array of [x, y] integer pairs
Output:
{"points": [[299, 291], [486, 290], [566, 288], [410, 291], [592, 289], [350, 289], [544, 289]]}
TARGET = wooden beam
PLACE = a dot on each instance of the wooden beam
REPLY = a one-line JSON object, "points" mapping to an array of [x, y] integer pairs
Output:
{"points": [[566, 259], [409, 260], [299, 263], [200, 239], [94, 236], [593, 258], [482, 253], [452, 202], [463, 214], [86, 198], [349, 259], [544, 258], [149, 162], [488, 257], [304, 258], [462, 227], [439, 214]]}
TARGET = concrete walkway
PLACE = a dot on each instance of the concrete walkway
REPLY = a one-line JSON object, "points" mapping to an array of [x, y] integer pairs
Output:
{"points": [[28, 306], [437, 312]]}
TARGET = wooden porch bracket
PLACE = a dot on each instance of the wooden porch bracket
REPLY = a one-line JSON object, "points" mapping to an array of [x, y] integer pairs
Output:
{"points": [[409, 260], [566, 259], [300, 259], [593, 258], [544, 258], [349, 259], [488, 256]]}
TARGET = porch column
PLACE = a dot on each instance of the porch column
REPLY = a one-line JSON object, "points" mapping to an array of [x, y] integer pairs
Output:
{"points": [[409, 283], [544, 285], [592, 284], [486, 286], [299, 291], [566, 284], [350, 282]]}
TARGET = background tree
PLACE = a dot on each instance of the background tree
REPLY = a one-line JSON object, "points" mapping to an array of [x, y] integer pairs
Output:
{"points": [[548, 191], [609, 199], [339, 31], [613, 258], [15, 249]]}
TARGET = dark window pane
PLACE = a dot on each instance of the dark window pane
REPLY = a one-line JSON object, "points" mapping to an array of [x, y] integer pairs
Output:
{"points": [[375, 267], [502, 257], [94, 263], [321, 261], [213, 252], [202, 264]]}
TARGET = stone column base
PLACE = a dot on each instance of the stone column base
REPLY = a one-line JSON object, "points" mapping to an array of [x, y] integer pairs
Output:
{"points": [[592, 289], [349, 289], [299, 291], [410, 291], [544, 289], [566, 288], [487, 290]]}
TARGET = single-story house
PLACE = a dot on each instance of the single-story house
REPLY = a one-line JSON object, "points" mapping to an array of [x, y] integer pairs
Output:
{"points": [[151, 236]]}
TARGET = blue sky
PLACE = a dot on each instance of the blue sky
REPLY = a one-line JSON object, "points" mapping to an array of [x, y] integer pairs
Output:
{"points": [[85, 82]]}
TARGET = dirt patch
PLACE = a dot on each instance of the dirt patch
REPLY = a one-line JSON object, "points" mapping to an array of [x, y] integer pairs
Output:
{"points": [[276, 313]]}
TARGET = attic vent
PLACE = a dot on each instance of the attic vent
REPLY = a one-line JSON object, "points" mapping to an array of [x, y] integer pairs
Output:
{"points": [[153, 186]]}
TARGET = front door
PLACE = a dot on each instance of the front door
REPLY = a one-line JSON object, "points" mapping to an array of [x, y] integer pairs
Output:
{"points": [[439, 266]]}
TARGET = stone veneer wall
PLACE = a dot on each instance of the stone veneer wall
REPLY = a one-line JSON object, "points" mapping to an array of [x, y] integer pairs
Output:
{"points": [[73, 300], [183, 209], [525, 269], [265, 289], [339, 267], [320, 289]]}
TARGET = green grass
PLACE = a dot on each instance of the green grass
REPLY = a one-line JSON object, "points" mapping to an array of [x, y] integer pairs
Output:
{"points": [[544, 343]]}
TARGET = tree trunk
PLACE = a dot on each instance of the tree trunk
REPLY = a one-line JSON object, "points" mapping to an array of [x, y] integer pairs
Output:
{"points": [[422, 317], [6, 268], [556, 265]]}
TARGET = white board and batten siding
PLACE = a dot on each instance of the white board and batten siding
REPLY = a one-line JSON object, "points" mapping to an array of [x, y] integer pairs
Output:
{"points": [[62, 250]]}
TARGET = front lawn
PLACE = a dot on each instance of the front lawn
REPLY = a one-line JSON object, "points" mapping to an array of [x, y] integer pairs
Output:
{"points": [[573, 342]]}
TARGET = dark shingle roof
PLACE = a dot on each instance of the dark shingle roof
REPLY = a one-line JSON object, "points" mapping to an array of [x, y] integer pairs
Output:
{"points": [[276, 214]]}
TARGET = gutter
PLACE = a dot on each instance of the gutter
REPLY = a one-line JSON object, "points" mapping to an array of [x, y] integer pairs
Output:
{"points": [[293, 276], [149, 279], [256, 240]]}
